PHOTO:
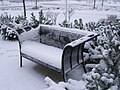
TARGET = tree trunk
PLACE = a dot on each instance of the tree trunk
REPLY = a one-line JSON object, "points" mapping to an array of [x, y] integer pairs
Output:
{"points": [[24, 9], [36, 4], [66, 13], [94, 4], [102, 3]]}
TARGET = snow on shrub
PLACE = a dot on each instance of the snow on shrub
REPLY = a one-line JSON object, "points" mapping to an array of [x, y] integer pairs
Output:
{"points": [[48, 18], [108, 44], [106, 74], [99, 79], [105, 49], [19, 22], [8, 33], [70, 85]]}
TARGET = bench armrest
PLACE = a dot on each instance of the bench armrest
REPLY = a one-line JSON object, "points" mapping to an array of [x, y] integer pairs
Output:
{"points": [[32, 35], [73, 53], [82, 40]]}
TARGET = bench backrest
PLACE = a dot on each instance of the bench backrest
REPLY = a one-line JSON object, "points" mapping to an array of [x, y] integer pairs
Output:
{"points": [[52, 35], [59, 37]]}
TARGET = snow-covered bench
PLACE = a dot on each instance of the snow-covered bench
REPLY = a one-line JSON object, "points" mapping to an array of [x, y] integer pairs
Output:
{"points": [[60, 49]]}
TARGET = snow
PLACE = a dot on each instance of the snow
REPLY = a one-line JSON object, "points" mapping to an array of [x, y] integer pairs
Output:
{"points": [[13, 77], [82, 40], [90, 65], [71, 30], [31, 76], [81, 10], [28, 35], [70, 85], [53, 56], [93, 57]]}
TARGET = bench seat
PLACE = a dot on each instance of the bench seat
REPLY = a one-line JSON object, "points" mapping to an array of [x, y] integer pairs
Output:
{"points": [[47, 54]]}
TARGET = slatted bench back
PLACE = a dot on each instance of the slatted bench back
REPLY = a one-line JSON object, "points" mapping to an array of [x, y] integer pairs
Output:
{"points": [[59, 37]]}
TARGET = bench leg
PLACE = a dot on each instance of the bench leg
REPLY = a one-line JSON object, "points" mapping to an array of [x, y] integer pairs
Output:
{"points": [[20, 61], [64, 77], [83, 63]]}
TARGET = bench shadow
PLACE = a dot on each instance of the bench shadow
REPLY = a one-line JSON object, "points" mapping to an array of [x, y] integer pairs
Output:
{"points": [[42, 70], [75, 74]]}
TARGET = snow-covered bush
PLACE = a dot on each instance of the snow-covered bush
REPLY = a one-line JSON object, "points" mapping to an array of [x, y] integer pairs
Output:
{"points": [[6, 19], [112, 18], [70, 85], [77, 24], [108, 44], [8, 25], [8, 34], [13, 23], [106, 74], [99, 79], [34, 22], [65, 24], [20, 21], [48, 18], [9, 20]]}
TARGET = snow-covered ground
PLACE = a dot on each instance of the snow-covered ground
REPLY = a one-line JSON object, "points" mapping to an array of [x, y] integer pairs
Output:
{"points": [[81, 9], [12, 77], [29, 77]]}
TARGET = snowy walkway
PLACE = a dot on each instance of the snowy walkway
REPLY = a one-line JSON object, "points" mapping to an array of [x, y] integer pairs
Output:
{"points": [[29, 77]]}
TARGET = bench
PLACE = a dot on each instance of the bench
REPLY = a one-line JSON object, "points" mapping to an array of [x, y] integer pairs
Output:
{"points": [[57, 48]]}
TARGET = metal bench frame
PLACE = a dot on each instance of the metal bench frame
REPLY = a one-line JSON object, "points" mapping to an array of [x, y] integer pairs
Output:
{"points": [[63, 71]]}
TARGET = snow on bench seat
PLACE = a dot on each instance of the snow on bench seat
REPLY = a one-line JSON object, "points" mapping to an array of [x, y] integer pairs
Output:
{"points": [[48, 54]]}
